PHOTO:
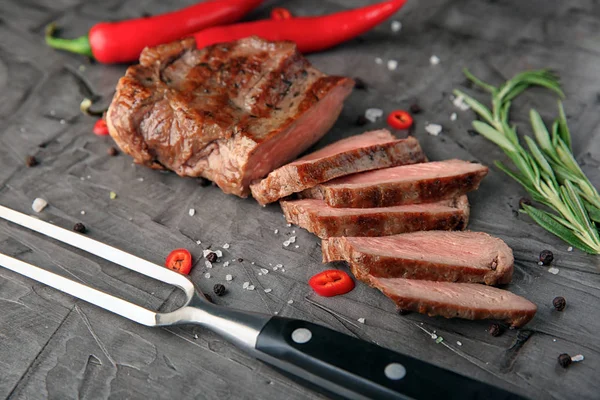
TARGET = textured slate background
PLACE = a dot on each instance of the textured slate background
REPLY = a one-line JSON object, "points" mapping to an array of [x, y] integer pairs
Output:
{"points": [[52, 346]]}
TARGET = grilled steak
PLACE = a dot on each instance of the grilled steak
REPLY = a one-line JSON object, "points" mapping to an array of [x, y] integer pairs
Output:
{"points": [[324, 221], [231, 113], [408, 184], [474, 257], [449, 299], [371, 150]]}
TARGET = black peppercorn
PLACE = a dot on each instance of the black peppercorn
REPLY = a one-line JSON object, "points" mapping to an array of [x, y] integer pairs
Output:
{"points": [[559, 303], [31, 161], [495, 330], [219, 289], [240, 260], [79, 227], [360, 84], [546, 257], [211, 257], [564, 360], [361, 120], [112, 151], [524, 201], [415, 108]]}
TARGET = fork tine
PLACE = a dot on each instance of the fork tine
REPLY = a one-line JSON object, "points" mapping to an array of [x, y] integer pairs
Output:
{"points": [[83, 292], [101, 250]]}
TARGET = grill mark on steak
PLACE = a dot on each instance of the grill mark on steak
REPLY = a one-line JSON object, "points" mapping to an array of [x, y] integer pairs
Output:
{"points": [[191, 110]]}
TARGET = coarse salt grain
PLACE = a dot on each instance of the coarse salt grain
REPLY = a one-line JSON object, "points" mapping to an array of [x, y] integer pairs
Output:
{"points": [[361, 320], [290, 301], [279, 266], [207, 275], [264, 271], [226, 246], [570, 248], [208, 264], [540, 263], [286, 243], [252, 263], [553, 270], [198, 242], [226, 264], [206, 252], [453, 117], [434, 60], [292, 239], [577, 358], [378, 60], [219, 253], [192, 212], [39, 204], [141, 179], [458, 343], [396, 26], [268, 290], [228, 277], [459, 101], [82, 212], [392, 65], [251, 287], [294, 231], [289, 225], [282, 269], [296, 246], [276, 231], [434, 336], [433, 129], [245, 285], [373, 114]]}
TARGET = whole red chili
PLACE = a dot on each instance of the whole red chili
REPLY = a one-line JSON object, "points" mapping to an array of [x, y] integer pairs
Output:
{"points": [[179, 260], [310, 34], [280, 13], [332, 282], [100, 128], [123, 41], [400, 119]]}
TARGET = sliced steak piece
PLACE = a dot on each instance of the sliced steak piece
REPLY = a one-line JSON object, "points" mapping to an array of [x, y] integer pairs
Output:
{"points": [[324, 221], [450, 300], [474, 257], [231, 113], [371, 150], [407, 184]]}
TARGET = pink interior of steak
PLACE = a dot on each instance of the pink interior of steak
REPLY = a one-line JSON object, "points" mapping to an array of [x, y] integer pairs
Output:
{"points": [[321, 208], [403, 173], [464, 295], [364, 140], [469, 249], [302, 134]]}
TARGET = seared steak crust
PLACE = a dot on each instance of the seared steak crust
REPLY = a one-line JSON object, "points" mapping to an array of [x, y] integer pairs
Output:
{"points": [[408, 184], [451, 300], [324, 221], [220, 112], [371, 150], [474, 257]]}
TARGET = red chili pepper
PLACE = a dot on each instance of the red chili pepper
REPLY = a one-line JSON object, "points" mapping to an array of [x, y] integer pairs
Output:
{"points": [[310, 33], [179, 260], [280, 13], [115, 42], [400, 119], [332, 282], [100, 128]]}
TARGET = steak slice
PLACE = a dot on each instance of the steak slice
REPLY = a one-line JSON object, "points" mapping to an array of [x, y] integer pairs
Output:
{"points": [[474, 257], [371, 150], [450, 300], [324, 221], [231, 113], [407, 184]]}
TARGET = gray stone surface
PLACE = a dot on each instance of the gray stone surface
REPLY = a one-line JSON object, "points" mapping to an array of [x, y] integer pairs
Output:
{"points": [[52, 346]]}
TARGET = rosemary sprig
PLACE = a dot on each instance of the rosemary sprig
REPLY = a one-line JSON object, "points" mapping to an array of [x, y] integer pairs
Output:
{"points": [[547, 168]]}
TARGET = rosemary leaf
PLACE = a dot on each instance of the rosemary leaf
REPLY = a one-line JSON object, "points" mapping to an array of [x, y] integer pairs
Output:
{"points": [[563, 130], [493, 135]]}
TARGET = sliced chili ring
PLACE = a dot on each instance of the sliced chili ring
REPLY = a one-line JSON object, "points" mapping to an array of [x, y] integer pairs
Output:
{"points": [[332, 282], [400, 119], [100, 128], [179, 260], [280, 13]]}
